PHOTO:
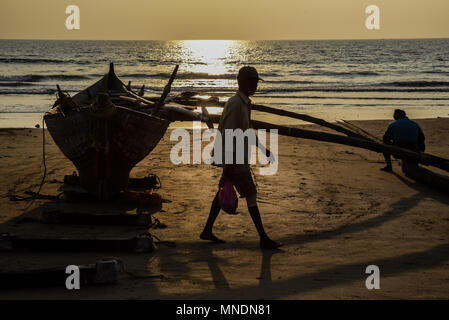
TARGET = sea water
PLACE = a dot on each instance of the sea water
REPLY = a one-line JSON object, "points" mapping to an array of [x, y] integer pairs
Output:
{"points": [[337, 79]]}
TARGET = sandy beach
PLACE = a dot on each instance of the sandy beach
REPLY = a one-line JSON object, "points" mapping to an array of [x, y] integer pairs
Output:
{"points": [[330, 205]]}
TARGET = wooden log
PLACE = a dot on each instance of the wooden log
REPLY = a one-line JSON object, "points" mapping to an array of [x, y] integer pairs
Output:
{"points": [[423, 158], [174, 113], [427, 177], [166, 91], [210, 102], [136, 97], [284, 113], [305, 117], [354, 140]]}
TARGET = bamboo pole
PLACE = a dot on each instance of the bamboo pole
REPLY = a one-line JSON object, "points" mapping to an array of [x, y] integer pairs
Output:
{"points": [[358, 142], [135, 96], [307, 118], [363, 143], [290, 114], [423, 158], [351, 125]]}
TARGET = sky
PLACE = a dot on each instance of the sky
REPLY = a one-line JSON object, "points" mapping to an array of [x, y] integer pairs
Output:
{"points": [[223, 19]]}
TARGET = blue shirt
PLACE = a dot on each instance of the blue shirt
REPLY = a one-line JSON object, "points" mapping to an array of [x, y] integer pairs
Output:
{"points": [[405, 132]]}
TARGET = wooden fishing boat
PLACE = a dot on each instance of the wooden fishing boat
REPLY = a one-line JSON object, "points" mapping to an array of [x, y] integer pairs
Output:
{"points": [[103, 140]]}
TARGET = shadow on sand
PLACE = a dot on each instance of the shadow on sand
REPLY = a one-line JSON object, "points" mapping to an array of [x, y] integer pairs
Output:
{"points": [[178, 261]]}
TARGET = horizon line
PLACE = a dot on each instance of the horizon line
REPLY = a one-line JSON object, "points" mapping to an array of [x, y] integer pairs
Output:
{"points": [[324, 39]]}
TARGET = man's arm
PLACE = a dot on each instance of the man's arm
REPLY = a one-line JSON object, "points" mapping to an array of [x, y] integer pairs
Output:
{"points": [[388, 135]]}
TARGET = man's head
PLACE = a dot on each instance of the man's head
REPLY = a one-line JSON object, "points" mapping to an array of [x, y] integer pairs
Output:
{"points": [[398, 113], [248, 79]]}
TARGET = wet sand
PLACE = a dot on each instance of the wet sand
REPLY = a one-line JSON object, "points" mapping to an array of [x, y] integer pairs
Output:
{"points": [[330, 205]]}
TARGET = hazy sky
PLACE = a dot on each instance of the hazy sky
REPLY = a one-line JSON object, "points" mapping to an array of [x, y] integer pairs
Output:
{"points": [[223, 19]]}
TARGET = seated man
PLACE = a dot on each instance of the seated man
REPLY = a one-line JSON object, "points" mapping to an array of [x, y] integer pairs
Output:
{"points": [[403, 133]]}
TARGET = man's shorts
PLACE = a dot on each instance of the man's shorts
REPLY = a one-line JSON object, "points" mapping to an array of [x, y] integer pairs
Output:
{"points": [[409, 146], [240, 176]]}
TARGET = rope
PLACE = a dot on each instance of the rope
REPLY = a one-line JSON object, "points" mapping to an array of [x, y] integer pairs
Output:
{"points": [[158, 181], [36, 194], [157, 224], [170, 244]]}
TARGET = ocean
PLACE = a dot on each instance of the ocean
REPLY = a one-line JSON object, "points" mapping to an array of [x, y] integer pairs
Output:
{"points": [[335, 79]]}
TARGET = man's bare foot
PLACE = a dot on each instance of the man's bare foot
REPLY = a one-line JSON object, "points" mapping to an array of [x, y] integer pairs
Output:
{"points": [[210, 236], [269, 244]]}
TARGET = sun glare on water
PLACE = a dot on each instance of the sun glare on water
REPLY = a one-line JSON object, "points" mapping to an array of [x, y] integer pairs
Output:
{"points": [[209, 56]]}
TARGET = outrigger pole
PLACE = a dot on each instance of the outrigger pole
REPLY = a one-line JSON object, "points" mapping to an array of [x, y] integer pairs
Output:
{"points": [[166, 91], [421, 157], [354, 140]]}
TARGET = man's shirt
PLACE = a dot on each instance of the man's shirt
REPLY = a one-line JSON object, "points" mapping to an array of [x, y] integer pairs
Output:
{"points": [[405, 132], [236, 115]]}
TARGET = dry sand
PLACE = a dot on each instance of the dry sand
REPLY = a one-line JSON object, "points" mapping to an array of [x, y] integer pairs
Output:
{"points": [[330, 205]]}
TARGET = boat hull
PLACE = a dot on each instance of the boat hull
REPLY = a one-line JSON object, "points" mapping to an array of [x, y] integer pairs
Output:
{"points": [[105, 149]]}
